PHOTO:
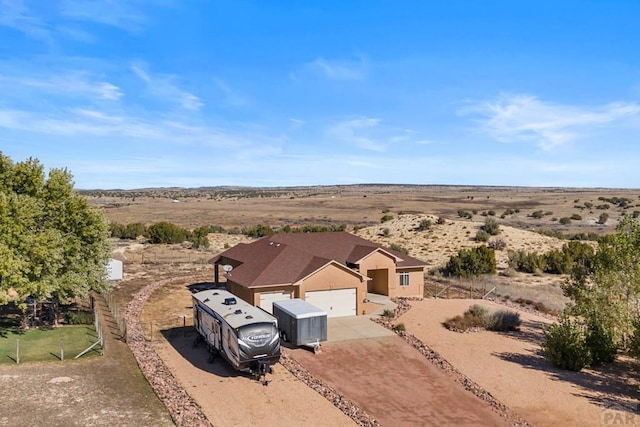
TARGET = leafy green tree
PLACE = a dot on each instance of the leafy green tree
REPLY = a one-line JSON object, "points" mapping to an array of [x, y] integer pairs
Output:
{"points": [[166, 232], [565, 344], [472, 262], [602, 219], [527, 262], [600, 341], [133, 231], [556, 262], [605, 295], [258, 231], [52, 242], [200, 237]]}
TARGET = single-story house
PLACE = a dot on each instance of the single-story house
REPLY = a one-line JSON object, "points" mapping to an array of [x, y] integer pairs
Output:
{"points": [[332, 270]]}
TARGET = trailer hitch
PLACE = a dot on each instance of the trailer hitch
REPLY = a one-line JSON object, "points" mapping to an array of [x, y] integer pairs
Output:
{"points": [[260, 369]]}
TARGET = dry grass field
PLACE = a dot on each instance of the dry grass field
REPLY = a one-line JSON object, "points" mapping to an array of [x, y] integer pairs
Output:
{"points": [[361, 205], [519, 211]]}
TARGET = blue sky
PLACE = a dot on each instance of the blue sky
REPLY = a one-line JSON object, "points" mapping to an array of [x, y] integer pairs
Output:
{"points": [[150, 93]]}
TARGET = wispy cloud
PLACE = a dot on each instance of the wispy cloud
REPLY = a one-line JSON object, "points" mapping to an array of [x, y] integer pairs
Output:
{"points": [[66, 83], [80, 123], [371, 134], [513, 118], [120, 14], [17, 15], [48, 21], [296, 123], [164, 87], [357, 132], [230, 96], [340, 69]]}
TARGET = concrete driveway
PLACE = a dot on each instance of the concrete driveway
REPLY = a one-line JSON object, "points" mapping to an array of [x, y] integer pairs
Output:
{"points": [[353, 328]]}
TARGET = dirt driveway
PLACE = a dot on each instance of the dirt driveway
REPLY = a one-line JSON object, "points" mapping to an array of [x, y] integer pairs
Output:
{"points": [[395, 384], [228, 398]]}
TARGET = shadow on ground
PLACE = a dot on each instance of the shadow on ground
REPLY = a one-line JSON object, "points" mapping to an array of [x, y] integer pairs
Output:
{"points": [[613, 385], [530, 331], [183, 340]]}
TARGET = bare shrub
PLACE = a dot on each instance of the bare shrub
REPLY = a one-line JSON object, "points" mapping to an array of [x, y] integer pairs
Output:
{"points": [[503, 321], [388, 313], [474, 317], [482, 236], [497, 244], [399, 327]]}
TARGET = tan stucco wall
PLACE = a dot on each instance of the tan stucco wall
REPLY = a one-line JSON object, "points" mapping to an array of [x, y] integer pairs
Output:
{"points": [[241, 292], [381, 263], [379, 283], [333, 277], [294, 290], [374, 266], [416, 283]]}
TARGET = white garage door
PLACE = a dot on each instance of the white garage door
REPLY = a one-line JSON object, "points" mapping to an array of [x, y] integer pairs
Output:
{"points": [[337, 303], [267, 299]]}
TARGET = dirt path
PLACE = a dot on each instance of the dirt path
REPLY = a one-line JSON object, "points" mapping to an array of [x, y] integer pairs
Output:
{"points": [[511, 367], [230, 399], [224, 396], [105, 390], [394, 383]]}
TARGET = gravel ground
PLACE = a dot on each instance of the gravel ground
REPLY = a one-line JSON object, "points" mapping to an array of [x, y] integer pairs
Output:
{"points": [[510, 367]]}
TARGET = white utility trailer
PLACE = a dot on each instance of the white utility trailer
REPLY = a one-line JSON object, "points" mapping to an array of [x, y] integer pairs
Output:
{"points": [[301, 323]]}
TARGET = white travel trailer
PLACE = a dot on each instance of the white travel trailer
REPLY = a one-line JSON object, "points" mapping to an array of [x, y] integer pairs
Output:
{"points": [[244, 335]]}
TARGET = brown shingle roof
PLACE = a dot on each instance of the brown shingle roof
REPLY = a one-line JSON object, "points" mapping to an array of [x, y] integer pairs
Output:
{"points": [[288, 257]]}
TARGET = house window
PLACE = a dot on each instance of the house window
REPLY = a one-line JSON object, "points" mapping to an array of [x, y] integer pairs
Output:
{"points": [[404, 279]]}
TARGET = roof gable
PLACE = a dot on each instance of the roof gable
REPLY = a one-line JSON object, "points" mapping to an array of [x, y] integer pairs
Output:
{"points": [[287, 258]]}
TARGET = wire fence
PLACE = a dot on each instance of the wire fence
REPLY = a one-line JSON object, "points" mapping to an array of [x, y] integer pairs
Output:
{"points": [[97, 323], [169, 328], [452, 289], [117, 313], [168, 258]]}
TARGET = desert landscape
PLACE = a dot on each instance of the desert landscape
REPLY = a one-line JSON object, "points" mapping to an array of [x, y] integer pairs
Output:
{"points": [[476, 378], [454, 185]]}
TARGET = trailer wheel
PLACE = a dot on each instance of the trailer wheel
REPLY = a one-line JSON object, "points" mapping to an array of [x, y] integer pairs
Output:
{"points": [[283, 336]]}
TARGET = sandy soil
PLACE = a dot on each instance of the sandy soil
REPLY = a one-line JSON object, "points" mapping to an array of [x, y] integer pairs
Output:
{"points": [[511, 367], [231, 399], [226, 397], [508, 365], [436, 245], [395, 384]]}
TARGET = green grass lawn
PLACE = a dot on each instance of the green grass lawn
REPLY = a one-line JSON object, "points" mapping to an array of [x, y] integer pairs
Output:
{"points": [[41, 345]]}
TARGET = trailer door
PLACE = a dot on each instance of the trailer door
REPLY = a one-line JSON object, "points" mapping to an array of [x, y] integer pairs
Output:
{"points": [[217, 334]]}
